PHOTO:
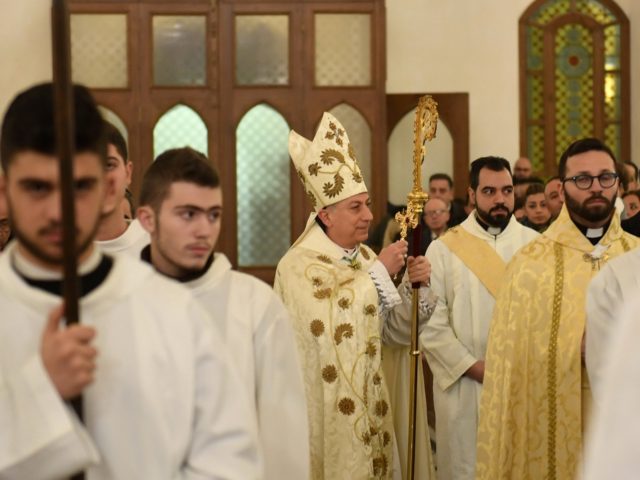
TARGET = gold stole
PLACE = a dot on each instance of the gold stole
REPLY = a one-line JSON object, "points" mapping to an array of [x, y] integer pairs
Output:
{"points": [[478, 256]]}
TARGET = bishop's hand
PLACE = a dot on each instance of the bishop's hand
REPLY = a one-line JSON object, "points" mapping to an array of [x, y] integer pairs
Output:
{"points": [[67, 355], [393, 256], [419, 270]]}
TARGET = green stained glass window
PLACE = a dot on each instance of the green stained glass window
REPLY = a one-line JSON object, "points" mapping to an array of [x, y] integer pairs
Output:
{"points": [[180, 127], [263, 187], [571, 79]]}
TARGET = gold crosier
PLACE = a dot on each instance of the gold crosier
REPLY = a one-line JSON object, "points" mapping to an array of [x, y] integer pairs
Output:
{"points": [[424, 129]]}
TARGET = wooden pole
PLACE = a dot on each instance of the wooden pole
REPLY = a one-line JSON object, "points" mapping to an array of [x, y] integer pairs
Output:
{"points": [[65, 141]]}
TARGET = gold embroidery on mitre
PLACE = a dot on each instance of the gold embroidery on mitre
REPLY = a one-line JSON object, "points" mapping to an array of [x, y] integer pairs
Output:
{"points": [[327, 166]]}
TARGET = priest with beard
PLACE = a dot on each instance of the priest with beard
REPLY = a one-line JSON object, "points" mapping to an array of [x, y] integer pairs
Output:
{"points": [[536, 395], [468, 264]]}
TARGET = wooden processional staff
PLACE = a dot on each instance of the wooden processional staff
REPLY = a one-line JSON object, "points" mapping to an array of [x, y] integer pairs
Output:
{"points": [[424, 129], [63, 109]]}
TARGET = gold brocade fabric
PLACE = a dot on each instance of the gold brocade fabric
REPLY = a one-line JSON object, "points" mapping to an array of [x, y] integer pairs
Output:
{"points": [[333, 305], [531, 410]]}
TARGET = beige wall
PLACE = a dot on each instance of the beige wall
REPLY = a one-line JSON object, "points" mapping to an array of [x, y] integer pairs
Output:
{"points": [[472, 46], [25, 56], [432, 45]]}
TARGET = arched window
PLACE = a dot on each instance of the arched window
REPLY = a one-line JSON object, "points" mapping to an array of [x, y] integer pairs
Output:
{"points": [[574, 78], [359, 135], [177, 128], [263, 187]]}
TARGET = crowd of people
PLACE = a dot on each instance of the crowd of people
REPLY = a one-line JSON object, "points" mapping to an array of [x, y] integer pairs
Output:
{"points": [[524, 293]]}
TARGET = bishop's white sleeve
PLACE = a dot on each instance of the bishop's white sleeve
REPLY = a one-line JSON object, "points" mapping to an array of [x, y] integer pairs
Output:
{"points": [[604, 297], [224, 442], [395, 307], [40, 436], [281, 401], [448, 358]]}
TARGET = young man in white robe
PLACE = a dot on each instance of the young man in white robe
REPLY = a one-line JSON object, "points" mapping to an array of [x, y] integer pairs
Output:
{"points": [[181, 208], [467, 265], [161, 398], [344, 307], [116, 234]]}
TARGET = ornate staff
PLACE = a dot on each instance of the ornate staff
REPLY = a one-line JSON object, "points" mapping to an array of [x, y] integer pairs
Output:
{"points": [[63, 109], [424, 129]]}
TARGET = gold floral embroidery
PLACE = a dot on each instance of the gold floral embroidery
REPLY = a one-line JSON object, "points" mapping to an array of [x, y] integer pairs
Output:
{"points": [[312, 198], [316, 327], [386, 438], [346, 406], [333, 189], [335, 132], [344, 330], [370, 309], [344, 303], [380, 465], [366, 438], [364, 253], [324, 259], [352, 152], [316, 281], [329, 373], [322, 293], [314, 168], [381, 408], [377, 379], [356, 177], [371, 349], [331, 155]]}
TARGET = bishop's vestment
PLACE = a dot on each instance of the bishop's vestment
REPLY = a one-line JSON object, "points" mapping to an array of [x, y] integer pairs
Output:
{"points": [[340, 323], [536, 394]]}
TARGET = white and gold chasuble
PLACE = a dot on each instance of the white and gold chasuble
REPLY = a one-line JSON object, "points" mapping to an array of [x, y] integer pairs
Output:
{"points": [[333, 304], [536, 395]]}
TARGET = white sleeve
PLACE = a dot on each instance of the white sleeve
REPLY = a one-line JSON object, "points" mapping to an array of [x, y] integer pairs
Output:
{"points": [[41, 436], [224, 442], [281, 400], [604, 297], [447, 356]]}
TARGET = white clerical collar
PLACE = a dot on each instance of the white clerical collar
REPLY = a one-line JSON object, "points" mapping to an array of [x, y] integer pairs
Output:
{"points": [[594, 232], [495, 231], [30, 270], [350, 252]]}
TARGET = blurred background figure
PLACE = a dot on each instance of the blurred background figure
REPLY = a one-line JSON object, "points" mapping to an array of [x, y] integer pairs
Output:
{"points": [[632, 175], [552, 196], [520, 186], [522, 168], [441, 186], [536, 213], [631, 201]]}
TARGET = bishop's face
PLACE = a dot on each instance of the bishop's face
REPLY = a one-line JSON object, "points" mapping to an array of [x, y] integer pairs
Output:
{"points": [[494, 197], [185, 230], [33, 191], [348, 221]]}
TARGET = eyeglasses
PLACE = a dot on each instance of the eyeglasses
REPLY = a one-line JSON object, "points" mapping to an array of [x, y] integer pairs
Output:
{"points": [[584, 181], [435, 213]]}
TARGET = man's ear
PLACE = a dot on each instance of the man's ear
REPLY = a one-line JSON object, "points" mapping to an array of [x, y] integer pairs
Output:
{"points": [[147, 218], [472, 196], [325, 217], [128, 166]]}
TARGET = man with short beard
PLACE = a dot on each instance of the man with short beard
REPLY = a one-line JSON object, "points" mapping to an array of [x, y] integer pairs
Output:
{"points": [[468, 264], [536, 393]]}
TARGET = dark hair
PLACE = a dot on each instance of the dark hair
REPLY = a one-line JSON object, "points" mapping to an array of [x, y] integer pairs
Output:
{"points": [[497, 164], [115, 138], [176, 165], [582, 146], [29, 124], [631, 192], [442, 176], [555, 177], [533, 189], [527, 181], [623, 176], [635, 169]]}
